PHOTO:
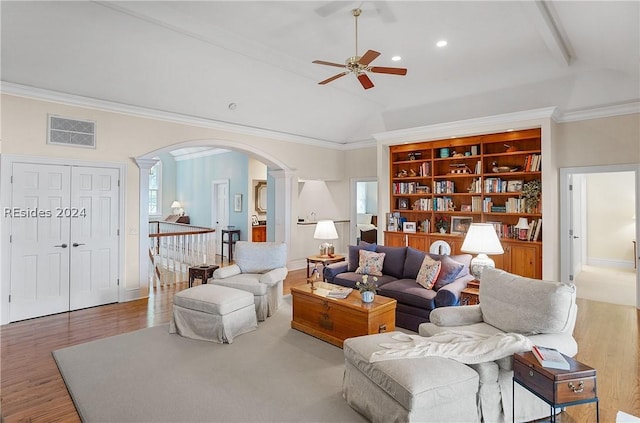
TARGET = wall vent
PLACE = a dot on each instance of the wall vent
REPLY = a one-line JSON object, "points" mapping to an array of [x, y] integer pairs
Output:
{"points": [[71, 132]]}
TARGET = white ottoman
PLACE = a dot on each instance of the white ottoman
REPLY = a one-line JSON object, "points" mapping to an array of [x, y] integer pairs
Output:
{"points": [[429, 389], [213, 313]]}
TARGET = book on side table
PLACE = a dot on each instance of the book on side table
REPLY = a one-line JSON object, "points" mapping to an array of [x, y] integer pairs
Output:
{"points": [[550, 357]]}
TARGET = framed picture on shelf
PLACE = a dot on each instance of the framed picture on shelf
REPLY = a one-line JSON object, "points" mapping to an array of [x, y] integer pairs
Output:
{"points": [[515, 185], [254, 220], [465, 207], [460, 224], [408, 226], [403, 203]]}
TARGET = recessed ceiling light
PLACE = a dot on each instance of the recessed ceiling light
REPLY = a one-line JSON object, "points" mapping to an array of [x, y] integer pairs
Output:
{"points": [[232, 106], [441, 43], [396, 58]]}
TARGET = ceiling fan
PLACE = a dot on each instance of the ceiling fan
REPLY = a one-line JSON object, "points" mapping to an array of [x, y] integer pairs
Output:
{"points": [[359, 65]]}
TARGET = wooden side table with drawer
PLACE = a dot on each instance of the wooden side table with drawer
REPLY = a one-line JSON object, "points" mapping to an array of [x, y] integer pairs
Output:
{"points": [[558, 388]]}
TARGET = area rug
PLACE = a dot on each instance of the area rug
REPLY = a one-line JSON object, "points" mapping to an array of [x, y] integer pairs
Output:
{"points": [[273, 374]]}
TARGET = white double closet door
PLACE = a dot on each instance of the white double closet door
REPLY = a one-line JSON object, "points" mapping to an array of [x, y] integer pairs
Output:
{"points": [[64, 238]]}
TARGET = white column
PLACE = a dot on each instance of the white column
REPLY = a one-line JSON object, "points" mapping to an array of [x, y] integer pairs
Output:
{"points": [[284, 186], [143, 242]]}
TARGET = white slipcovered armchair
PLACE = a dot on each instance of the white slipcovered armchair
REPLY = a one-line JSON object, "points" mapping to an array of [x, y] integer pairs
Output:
{"points": [[260, 268], [543, 311]]}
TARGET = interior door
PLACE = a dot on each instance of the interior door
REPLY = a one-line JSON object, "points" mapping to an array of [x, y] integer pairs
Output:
{"points": [[39, 240], [220, 210], [94, 236]]}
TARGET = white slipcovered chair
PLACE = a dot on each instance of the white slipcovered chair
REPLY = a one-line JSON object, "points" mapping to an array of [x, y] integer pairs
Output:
{"points": [[259, 268], [543, 311]]}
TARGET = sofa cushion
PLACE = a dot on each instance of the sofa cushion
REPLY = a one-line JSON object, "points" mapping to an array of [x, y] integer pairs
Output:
{"points": [[370, 263], [412, 263], [407, 291], [349, 279], [429, 272], [465, 259], [393, 261], [528, 306], [354, 254], [449, 272]]}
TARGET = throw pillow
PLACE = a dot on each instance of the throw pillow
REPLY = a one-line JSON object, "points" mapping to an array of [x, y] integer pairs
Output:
{"points": [[370, 263], [428, 273], [449, 272], [354, 254]]}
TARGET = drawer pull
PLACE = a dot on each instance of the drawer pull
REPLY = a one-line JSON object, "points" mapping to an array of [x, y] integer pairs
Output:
{"points": [[577, 390], [382, 328], [531, 373]]}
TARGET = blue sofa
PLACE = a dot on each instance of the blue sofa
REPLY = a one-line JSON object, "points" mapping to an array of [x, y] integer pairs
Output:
{"points": [[400, 268]]}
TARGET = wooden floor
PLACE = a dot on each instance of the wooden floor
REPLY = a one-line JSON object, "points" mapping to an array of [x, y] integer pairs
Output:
{"points": [[32, 389]]}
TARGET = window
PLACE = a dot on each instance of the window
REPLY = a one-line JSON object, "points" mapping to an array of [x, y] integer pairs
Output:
{"points": [[155, 190]]}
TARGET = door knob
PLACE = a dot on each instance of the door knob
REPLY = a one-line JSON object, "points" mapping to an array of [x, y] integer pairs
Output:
{"points": [[61, 245], [75, 244], [575, 237]]}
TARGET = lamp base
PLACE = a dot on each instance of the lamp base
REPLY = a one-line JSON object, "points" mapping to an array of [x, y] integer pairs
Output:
{"points": [[479, 263], [327, 250]]}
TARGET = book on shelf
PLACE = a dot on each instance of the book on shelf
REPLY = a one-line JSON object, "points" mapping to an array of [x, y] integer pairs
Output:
{"points": [[550, 357], [339, 292]]}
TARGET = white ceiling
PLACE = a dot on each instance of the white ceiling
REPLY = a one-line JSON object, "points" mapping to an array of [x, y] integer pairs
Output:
{"points": [[195, 58]]}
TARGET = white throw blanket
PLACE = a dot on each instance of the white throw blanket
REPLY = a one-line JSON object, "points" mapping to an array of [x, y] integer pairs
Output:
{"points": [[465, 347]]}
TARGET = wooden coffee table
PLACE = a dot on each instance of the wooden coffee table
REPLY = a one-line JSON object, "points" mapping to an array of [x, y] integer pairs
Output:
{"points": [[334, 320]]}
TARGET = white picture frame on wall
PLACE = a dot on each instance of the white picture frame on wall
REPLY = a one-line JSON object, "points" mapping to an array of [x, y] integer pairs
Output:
{"points": [[237, 203]]}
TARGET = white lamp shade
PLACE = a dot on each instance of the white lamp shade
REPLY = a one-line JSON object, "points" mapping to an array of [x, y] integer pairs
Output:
{"points": [[522, 223], [176, 205], [325, 229], [482, 239]]}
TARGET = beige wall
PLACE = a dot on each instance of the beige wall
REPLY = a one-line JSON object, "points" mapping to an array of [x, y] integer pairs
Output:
{"points": [[610, 223], [604, 141], [121, 137]]}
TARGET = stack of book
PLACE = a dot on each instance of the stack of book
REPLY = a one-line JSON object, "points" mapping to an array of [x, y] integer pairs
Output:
{"points": [[339, 292], [551, 358]]}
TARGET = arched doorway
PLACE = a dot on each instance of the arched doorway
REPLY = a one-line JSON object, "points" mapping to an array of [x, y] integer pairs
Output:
{"points": [[282, 193]]}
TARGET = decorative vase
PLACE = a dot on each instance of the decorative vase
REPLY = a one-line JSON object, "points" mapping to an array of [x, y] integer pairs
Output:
{"points": [[443, 231], [367, 296]]}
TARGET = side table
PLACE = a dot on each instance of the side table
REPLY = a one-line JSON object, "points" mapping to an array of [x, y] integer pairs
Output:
{"points": [[325, 260], [558, 388], [233, 235], [471, 294], [203, 273]]}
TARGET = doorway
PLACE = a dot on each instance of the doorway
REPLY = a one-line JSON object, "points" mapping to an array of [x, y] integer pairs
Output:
{"points": [[599, 232], [65, 228], [220, 210], [364, 208]]}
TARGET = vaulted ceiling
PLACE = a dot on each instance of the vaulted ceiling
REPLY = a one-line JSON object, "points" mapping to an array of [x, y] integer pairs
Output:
{"points": [[250, 63]]}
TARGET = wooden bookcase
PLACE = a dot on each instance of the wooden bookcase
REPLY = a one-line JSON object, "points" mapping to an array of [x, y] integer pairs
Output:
{"points": [[478, 177]]}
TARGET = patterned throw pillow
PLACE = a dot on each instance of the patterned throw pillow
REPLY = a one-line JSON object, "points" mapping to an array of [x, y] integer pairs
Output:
{"points": [[428, 273], [370, 263]]}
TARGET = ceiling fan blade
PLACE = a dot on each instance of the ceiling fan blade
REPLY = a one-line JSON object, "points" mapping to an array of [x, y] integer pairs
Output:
{"points": [[365, 81], [368, 57], [322, 62], [393, 71], [334, 77]]}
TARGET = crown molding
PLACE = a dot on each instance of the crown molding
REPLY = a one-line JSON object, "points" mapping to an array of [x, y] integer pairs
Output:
{"points": [[600, 112], [467, 127], [110, 106]]}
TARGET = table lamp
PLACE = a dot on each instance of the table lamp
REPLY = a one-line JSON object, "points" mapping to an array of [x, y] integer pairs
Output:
{"points": [[481, 239], [177, 208], [523, 228], [326, 229]]}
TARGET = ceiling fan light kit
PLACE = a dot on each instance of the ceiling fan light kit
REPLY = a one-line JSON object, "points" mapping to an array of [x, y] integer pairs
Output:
{"points": [[359, 65]]}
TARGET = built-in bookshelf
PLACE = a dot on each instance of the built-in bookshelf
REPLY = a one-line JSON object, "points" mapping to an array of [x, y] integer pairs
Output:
{"points": [[469, 179]]}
